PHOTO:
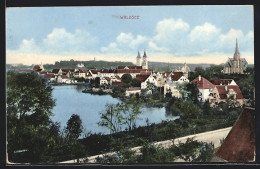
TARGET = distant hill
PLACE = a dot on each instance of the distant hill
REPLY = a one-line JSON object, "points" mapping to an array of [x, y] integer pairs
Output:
{"points": [[72, 64], [162, 66]]}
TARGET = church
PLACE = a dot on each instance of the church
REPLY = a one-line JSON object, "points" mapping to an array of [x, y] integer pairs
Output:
{"points": [[143, 63], [235, 65]]}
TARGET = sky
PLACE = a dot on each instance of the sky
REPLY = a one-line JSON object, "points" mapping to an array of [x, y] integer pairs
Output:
{"points": [[174, 34]]}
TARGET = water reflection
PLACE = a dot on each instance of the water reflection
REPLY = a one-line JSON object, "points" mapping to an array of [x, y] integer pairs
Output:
{"points": [[70, 100]]}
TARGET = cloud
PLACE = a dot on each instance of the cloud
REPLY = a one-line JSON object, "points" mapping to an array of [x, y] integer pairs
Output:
{"points": [[169, 33], [59, 40], [226, 42], [111, 48], [138, 41], [28, 46], [125, 38], [125, 42], [204, 33]]}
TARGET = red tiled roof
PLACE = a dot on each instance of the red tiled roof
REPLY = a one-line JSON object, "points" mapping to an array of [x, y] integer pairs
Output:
{"points": [[43, 72], [48, 76], [223, 92], [107, 71], [146, 72], [94, 71], [239, 145], [221, 81], [82, 71], [64, 77], [130, 67], [177, 76], [117, 77], [203, 83], [117, 83], [133, 89], [107, 78], [142, 78]]}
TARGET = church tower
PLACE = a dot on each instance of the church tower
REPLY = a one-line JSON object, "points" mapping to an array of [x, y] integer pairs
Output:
{"points": [[236, 59], [138, 59], [145, 61]]}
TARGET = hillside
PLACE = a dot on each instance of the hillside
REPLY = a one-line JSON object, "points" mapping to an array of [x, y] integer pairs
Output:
{"points": [[162, 66], [72, 64]]}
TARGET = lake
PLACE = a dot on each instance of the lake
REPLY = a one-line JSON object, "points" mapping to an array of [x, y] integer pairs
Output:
{"points": [[70, 100]]}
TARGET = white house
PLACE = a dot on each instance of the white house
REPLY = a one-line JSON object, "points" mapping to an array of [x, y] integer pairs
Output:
{"points": [[80, 74], [204, 86], [130, 91], [172, 82], [105, 80], [80, 65], [62, 79], [146, 78]]}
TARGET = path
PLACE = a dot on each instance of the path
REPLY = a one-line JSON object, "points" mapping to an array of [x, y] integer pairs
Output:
{"points": [[211, 136]]}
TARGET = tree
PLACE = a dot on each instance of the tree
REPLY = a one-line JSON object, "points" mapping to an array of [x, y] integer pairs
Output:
{"points": [[29, 105], [126, 78], [136, 82], [112, 117], [97, 82], [130, 114], [74, 126], [193, 92]]}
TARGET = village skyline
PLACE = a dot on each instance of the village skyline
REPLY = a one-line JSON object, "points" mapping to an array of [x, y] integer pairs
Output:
{"points": [[207, 34]]}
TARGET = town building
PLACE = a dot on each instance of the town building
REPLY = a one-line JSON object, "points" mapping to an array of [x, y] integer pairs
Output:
{"points": [[185, 69], [204, 86], [221, 93], [130, 91], [144, 62], [138, 60], [235, 65], [172, 84], [144, 79]]}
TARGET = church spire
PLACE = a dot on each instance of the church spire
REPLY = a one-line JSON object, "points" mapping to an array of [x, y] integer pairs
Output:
{"points": [[138, 56], [145, 55], [236, 54]]}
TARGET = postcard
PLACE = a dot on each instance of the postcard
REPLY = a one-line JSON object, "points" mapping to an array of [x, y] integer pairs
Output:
{"points": [[130, 84]]}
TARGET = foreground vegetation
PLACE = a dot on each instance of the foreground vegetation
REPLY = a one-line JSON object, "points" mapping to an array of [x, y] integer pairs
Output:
{"points": [[32, 137]]}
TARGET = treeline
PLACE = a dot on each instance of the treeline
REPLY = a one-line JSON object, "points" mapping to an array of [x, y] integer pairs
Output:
{"points": [[72, 64], [31, 135]]}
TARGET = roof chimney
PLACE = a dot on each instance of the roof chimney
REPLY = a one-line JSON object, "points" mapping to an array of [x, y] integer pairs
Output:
{"points": [[199, 78]]}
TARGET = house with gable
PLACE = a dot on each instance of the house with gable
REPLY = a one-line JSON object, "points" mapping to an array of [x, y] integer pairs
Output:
{"points": [[146, 78], [57, 72], [172, 82], [94, 73], [204, 86], [80, 73], [221, 93]]}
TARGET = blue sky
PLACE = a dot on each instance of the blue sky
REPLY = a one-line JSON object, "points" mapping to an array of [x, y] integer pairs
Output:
{"points": [[195, 34]]}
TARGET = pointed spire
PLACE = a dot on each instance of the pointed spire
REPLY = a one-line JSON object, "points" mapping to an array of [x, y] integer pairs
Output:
{"points": [[236, 54], [145, 54], [138, 56]]}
